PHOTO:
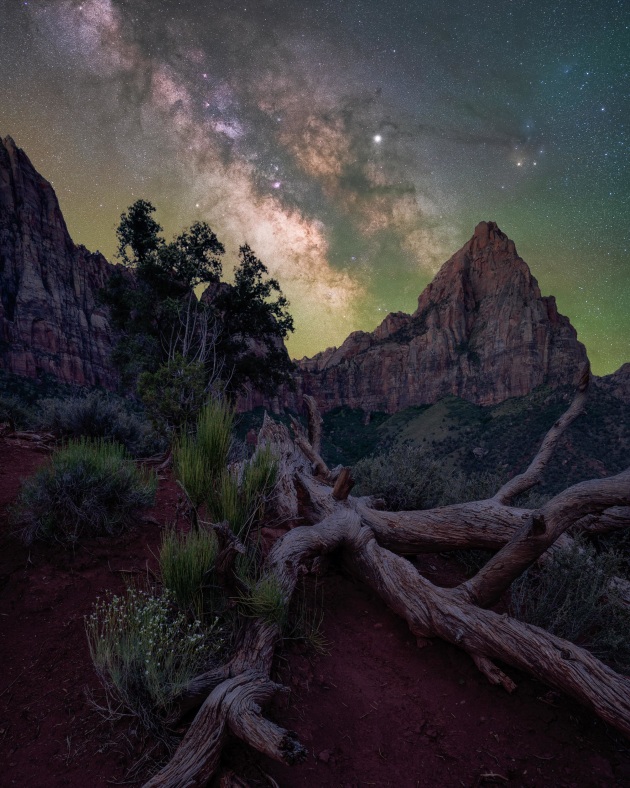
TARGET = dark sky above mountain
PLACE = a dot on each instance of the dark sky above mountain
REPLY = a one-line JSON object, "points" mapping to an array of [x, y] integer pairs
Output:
{"points": [[353, 144]]}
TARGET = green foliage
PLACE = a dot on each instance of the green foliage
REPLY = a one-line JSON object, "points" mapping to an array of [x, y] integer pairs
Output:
{"points": [[186, 569], [254, 310], [89, 488], [200, 458], [15, 413], [148, 307], [573, 596], [138, 234], [508, 434], [174, 394], [146, 652], [407, 478], [264, 599], [214, 434], [349, 434], [99, 415], [241, 501]]}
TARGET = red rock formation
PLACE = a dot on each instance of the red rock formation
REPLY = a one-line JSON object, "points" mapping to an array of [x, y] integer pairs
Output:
{"points": [[50, 320], [617, 383], [482, 331]]}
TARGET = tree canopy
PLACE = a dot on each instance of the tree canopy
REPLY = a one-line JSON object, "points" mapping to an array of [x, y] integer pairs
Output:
{"points": [[157, 313]]}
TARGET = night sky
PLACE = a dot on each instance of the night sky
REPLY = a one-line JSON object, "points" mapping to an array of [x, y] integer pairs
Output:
{"points": [[353, 145]]}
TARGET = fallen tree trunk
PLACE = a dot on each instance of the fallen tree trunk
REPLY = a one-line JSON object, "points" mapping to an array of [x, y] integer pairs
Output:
{"points": [[369, 541]]}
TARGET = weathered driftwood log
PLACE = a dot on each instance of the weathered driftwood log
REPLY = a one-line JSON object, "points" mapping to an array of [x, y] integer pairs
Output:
{"points": [[368, 539]]}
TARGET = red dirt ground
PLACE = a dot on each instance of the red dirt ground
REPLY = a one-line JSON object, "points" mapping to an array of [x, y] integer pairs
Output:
{"points": [[374, 711]]}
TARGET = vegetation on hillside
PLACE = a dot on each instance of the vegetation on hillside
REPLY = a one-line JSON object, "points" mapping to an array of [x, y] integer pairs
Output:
{"points": [[234, 336]]}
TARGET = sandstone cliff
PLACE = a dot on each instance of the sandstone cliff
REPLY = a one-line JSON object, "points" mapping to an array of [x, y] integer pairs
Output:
{"points": [[482, 331], [50, 321]]}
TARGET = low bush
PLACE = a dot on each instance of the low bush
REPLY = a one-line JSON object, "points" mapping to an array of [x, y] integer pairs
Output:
{"points": [[187, 571], [15, 413], [573, 596], [407, 478], [88, 488], [99, 415], [174, 394], [146, 652]]}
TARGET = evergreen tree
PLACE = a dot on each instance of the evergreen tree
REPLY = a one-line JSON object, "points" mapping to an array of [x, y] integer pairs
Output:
{"points": [[154, 287]]}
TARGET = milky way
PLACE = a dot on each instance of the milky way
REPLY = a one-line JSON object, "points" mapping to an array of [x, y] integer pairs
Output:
{"points": [[353, 145]]}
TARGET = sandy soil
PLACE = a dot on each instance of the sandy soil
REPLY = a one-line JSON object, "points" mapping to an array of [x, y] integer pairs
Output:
{"points": [[373, 711]]}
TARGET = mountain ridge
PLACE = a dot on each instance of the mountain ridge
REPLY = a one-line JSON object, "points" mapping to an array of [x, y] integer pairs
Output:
{"points": [[482, 331]]}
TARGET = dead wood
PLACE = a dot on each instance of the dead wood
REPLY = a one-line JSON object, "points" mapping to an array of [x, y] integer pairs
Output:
{"points": [[372, 544], [315, 422], [525, 481], [318, 466], [343, 485]]}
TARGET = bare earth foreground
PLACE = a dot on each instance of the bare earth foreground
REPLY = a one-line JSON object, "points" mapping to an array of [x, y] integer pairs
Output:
{"points": [[374, 711]]}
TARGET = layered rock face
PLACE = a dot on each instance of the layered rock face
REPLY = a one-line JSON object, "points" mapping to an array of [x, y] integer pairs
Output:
{"points": [[50, 321], [482, 331]]}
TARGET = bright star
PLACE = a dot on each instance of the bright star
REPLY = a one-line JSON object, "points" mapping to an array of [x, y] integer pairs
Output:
{"points": [[378, 138]]}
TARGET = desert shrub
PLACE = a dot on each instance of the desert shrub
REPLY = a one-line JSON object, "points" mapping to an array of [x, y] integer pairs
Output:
{"points": [[99, 415], [145, 652], [88, 488], [573, 596], [186, 569], [403, 476], [306, 616], [407, 478], [14, 412], [174, 394]]}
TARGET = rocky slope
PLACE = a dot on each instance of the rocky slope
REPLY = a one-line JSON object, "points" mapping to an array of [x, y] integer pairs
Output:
{"points": [[482, 331], [50, 321], [617, 383]]}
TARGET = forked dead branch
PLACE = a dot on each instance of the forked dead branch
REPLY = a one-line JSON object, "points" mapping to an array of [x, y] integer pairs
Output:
{"points": [[373, 544]]}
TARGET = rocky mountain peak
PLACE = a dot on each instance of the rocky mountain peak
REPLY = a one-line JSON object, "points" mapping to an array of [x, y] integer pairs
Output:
{"points": [[50, 318], [482, 331]]}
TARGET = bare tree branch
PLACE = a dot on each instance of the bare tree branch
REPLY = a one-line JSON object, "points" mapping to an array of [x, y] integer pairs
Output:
{"points": [[530, 477]]}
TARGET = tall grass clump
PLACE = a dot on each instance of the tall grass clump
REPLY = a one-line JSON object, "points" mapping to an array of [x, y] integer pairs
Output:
{"points": [[573, 596], [146, 652], [89, 488], [214, 435], [187, 570], [200, 458], [99, 415], [236, 493], [264, 599], [241, 501]]}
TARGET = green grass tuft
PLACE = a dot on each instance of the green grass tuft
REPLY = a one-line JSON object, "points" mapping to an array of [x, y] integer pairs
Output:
{"points": [[186, 568]]}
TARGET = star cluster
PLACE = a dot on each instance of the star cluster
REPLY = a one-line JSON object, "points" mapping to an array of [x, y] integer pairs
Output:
{"points": [[354, 145]]}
